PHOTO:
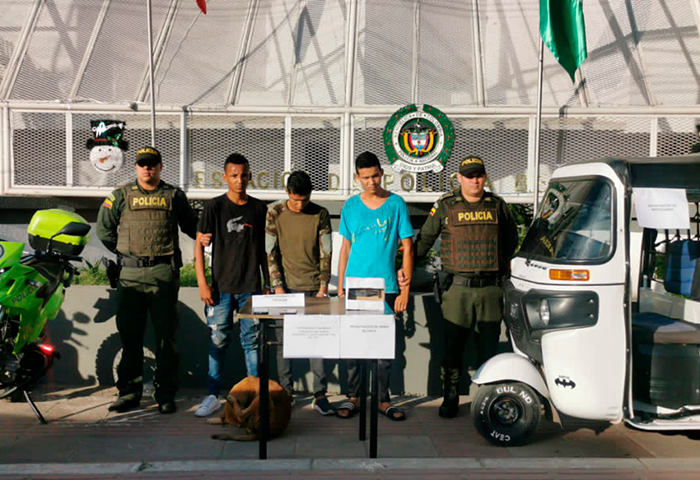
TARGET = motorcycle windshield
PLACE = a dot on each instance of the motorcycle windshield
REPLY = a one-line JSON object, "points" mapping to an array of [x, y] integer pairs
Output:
{"points": [[574, 224], [10, 253]]}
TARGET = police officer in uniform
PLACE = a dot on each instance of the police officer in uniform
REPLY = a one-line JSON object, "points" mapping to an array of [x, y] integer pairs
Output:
{"points": [[139, 222], [478, 237]]}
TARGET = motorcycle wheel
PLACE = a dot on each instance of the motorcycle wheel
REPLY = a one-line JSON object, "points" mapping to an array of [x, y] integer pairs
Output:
{"points": [[108, 356], [506, 414], [32, 367]]}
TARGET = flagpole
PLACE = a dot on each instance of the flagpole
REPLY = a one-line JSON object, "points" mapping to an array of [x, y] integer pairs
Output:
{"points": [[538, 125], [149, 14]]}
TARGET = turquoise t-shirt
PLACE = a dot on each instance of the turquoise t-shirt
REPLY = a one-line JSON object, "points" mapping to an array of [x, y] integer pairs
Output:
{"points": [[375, 236]]}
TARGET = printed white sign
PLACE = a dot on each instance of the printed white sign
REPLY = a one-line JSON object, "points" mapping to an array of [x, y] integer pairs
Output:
{"points": [[367, 336], [311, 336], [364, 294], [279, 301], [662, 208]]}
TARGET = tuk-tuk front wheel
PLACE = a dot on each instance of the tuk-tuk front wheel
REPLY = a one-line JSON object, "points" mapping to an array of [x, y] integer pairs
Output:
{"points": [[506, 414]]}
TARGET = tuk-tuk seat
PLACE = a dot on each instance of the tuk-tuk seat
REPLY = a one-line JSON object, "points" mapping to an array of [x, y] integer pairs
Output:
{"points": [[683, 268], [654, 328]]}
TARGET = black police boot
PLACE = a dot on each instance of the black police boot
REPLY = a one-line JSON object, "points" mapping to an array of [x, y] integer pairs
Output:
{"points": [[125, 403], [167, 407], [450, 386]]}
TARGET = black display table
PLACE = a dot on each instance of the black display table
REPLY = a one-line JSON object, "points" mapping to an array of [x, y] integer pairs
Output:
{"points": [[313, 306]]}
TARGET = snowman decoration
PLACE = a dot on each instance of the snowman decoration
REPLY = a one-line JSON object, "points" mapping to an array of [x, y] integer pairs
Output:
{"points": [[106, 151]]}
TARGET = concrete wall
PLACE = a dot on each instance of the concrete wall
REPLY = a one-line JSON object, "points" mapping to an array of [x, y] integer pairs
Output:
{"points": [[85, 334]]}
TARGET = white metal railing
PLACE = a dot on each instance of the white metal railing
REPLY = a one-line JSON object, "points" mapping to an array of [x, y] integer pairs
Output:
{"points": [[343, 115]]}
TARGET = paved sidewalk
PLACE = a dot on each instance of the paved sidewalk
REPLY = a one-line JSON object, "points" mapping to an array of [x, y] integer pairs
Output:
{"points": [[84, 439]]}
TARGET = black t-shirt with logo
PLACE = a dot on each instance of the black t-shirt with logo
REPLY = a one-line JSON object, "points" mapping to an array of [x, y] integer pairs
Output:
{"points": [[238, 240]]}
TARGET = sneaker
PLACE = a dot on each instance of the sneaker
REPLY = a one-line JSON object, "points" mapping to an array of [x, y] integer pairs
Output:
{"points": [[210, 405], [323, 406]]}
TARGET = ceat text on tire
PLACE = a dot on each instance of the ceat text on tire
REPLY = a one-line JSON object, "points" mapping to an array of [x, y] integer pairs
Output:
{"points": [[506, 414]]}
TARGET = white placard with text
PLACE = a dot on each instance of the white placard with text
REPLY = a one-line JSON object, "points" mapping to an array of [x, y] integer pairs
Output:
{"points": [[367, 336], [279, 301], [662, 208], [311, 336], [364, 294]]}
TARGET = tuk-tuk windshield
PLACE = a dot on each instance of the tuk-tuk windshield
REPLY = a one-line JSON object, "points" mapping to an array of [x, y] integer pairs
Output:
{"points": [[574, 223]]}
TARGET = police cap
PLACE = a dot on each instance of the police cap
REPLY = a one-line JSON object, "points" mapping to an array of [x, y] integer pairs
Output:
{"points": [[471, 165], [148, 156]]}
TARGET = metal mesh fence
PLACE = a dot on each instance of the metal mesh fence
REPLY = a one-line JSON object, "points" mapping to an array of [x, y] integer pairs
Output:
{"points": [[567, 140], [641, 52], [320, 53], [12, 20], [56, 50], [212, 138], [384, 65], [501, 142], [267, 97], [676, 135], [269, 63], [278, 144], [38, 148], [670, 45], [446, 70], [367, 137], [138, 134], [503, 145], [315, 148], [119, 60], [615, 64], [197, 65], [509, 43]]}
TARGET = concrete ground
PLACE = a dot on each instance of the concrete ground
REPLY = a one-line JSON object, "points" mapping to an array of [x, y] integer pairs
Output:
{"points": [[84, 440]]}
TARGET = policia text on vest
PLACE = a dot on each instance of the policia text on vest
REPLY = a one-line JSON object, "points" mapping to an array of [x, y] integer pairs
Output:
{"points": [[139, 222], [478, 237]]}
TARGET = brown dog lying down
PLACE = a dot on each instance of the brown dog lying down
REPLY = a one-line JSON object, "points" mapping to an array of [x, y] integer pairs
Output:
{"points": [[243, 407]]}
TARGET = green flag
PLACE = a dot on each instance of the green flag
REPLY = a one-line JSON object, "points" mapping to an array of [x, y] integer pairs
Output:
{"points": [[564, 32]]}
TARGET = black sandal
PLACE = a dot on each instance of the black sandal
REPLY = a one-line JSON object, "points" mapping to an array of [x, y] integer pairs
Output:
{"points": [[390, 412], [346, 406]]}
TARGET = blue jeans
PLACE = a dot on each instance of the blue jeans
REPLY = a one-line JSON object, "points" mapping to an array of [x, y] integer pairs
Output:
{"points": [[220, 323]]}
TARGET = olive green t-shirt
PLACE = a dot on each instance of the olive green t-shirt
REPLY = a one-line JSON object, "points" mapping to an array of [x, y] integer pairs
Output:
{"points": [[298, 246]]}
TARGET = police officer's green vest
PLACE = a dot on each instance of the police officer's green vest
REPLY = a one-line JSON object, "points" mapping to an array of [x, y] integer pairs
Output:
{"points": [[148, 227], [469, 240]]}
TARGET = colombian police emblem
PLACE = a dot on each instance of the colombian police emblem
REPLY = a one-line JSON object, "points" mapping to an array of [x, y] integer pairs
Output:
{"points": [[418, 139]]}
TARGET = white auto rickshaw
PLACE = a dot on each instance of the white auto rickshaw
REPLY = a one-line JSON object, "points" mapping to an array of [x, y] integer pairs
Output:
{"points": [[599, 330]]}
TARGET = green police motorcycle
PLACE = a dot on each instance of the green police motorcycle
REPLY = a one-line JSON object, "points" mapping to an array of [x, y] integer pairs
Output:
{"points": [[31, 293]]}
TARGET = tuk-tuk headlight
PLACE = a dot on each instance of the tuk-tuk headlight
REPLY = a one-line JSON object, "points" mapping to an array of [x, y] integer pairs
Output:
{"points": [[544, 311], [547, 310]]}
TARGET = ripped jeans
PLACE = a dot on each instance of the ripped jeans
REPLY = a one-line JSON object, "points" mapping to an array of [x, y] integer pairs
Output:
{"points": [[220, 323]]}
